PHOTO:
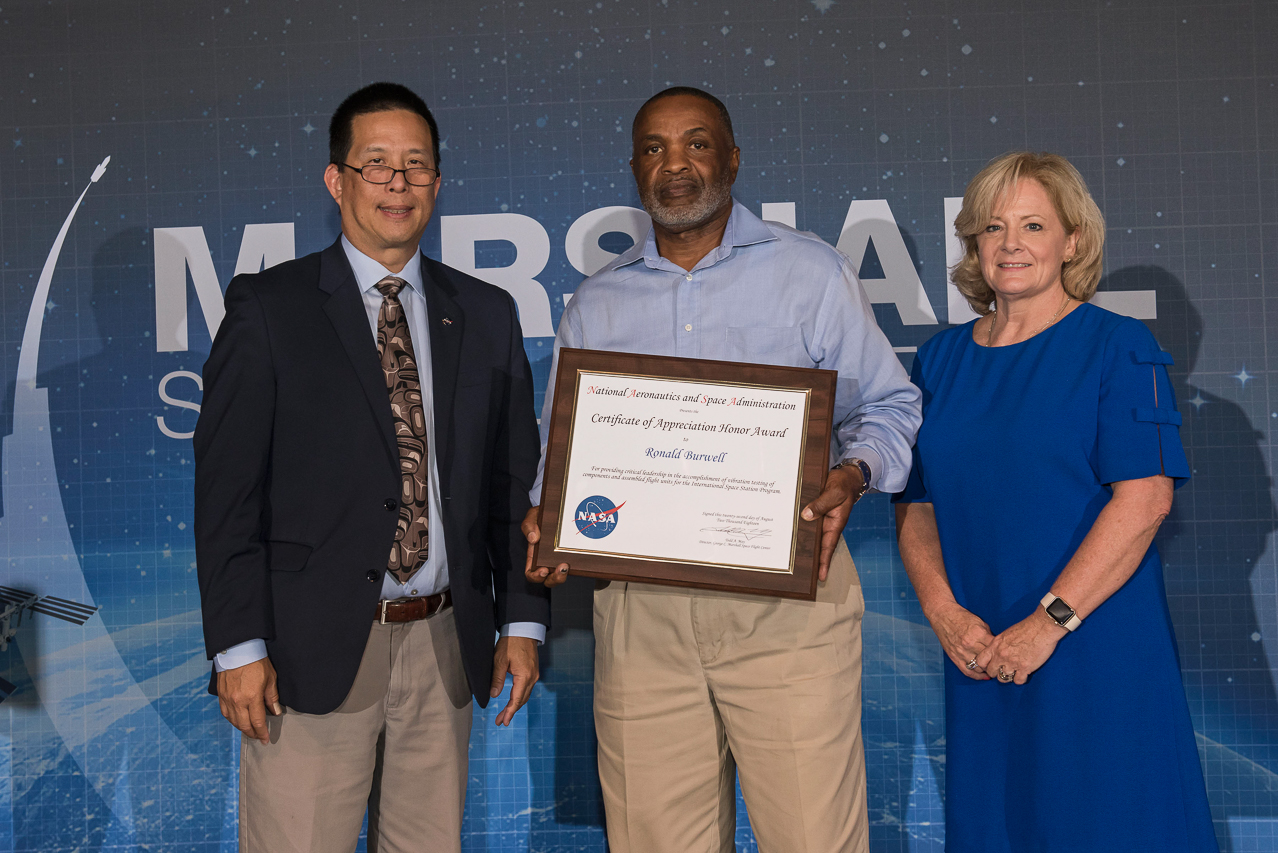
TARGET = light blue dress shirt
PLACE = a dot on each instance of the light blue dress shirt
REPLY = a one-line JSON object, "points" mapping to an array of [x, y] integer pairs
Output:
{"points": [[768, 295], [432, 577]]}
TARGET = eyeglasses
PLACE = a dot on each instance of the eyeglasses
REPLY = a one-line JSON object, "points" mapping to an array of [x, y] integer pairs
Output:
{"points": [[418, 176]]}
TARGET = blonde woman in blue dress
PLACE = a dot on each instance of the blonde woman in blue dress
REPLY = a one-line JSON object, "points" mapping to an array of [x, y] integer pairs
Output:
{"points": [[1047, 459]]}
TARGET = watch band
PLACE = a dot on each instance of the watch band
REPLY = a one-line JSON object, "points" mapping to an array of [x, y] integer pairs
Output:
{"points": [[1071, 621], [863, 467]]}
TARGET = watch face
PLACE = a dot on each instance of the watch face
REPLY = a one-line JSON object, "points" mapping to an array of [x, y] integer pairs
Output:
{"points": [[1060, 611]]}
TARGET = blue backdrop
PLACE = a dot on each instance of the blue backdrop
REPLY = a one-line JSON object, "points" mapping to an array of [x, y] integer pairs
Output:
{"points": [[856, 120]]}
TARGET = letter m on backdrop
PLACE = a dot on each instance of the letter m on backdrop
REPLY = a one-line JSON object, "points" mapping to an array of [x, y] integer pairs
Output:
{"points": [[180, 249]]}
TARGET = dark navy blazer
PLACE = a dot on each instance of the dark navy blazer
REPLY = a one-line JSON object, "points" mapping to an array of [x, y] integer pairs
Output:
{"points": [[297, 471]]}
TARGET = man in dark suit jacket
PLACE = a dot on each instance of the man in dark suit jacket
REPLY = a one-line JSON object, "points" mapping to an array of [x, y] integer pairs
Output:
{"points": [[360, 401]]}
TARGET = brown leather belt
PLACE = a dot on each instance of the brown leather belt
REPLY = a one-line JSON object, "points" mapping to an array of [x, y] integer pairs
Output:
{"points": [[412, 609]]}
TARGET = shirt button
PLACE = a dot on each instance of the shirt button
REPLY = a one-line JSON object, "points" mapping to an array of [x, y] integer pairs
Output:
{"points": [[414, 592], [688, 327], [390, 504], [372, 576], [688, 276]]}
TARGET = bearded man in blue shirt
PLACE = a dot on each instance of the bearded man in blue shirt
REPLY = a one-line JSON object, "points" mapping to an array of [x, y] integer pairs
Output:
{"points": [[693, 686]]}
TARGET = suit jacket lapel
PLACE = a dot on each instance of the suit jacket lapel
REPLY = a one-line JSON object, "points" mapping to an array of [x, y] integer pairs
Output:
{"points": [[345, 309], [447, 324]]}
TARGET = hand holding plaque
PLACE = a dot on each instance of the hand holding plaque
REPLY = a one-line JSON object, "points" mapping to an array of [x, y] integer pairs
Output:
{"points": [[685, 471]]}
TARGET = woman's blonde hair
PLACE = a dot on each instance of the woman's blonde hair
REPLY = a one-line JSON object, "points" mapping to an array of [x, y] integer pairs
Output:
{"points": [[1074, 206]]}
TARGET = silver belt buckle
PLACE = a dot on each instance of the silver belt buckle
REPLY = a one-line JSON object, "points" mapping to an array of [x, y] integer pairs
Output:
{"points": [[436, 611], [381, 611]]}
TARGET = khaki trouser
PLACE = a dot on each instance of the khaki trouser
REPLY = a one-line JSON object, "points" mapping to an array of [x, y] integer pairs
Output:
{"points": [[692, 687], [397, 746]]}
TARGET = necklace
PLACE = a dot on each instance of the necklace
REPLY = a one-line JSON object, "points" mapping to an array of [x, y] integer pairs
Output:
{"points": [[989, 341]]}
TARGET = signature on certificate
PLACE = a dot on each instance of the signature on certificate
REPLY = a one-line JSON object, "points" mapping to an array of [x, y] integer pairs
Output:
{"points": [[745, 533]]}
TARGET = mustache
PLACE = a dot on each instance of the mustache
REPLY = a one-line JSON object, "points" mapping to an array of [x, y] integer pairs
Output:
{"points": [[680, 181]]}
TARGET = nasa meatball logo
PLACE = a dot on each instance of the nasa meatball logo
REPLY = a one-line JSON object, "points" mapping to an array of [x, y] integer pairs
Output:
{"points": [[597, 517]]}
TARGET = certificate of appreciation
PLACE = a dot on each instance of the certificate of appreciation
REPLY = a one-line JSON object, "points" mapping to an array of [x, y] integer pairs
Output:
{"points": [[684, 471]]}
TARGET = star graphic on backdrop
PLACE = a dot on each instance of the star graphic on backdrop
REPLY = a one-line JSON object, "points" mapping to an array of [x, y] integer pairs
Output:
{"points": [[309, 129], [17, 143], [1197, 401], [252, 152], [1242, 376], [823, 6]]}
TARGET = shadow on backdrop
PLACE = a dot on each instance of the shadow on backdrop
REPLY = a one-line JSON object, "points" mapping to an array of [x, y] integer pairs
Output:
{"points": [[1211, 543]]}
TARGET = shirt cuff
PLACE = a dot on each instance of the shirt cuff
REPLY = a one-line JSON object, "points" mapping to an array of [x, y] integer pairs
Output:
{"points": [[870, 457], [240, 655], [532, 630]]}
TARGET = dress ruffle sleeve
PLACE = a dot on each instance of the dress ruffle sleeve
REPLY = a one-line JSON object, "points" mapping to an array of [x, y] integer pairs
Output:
{"points": [[1138, 429]]}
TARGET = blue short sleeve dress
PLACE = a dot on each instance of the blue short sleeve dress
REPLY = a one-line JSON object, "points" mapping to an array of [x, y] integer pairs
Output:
{"points": [[1096, 752]]}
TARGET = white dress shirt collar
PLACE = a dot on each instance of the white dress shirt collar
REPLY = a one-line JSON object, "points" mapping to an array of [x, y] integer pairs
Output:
{"points": [[368, 271]]}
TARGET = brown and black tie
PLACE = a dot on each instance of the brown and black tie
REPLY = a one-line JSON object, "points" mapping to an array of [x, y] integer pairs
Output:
{"points": [[405, 389]]}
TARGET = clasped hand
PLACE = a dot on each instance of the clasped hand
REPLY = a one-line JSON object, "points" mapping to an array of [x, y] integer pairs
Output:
{"points": [[1019, 650]]}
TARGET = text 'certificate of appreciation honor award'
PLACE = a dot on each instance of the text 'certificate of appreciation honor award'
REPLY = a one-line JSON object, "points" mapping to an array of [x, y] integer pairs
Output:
{"points": [[686, 471], [699, 472]]}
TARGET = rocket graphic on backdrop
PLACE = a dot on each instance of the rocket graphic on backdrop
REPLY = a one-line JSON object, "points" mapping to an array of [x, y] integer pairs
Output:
{"points": [[83, 683]]}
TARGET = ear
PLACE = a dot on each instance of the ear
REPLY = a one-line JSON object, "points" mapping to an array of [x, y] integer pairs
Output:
{"points": [[333, 180], [1071, 244], [734, 162]]}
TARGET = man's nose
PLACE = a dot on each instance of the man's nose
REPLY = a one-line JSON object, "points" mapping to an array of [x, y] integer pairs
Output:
{"points": [[675, 161], [398, 182]]}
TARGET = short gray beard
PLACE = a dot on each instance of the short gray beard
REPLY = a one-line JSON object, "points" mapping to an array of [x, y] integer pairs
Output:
{"points": [[710, 202]]}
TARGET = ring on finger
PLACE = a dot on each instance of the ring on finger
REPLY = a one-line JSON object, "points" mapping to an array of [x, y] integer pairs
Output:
{"points": [[971, 664], [1003, 676]]}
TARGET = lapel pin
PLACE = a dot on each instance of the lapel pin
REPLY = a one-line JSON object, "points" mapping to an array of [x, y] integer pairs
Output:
{"points": [[447, 322]]}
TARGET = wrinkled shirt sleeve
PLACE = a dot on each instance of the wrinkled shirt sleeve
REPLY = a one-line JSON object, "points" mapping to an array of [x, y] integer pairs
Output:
{"points": [[877, 410]]}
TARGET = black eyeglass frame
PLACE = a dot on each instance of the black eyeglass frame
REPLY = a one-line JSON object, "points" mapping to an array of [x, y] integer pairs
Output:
{"points": [[394, 172]]}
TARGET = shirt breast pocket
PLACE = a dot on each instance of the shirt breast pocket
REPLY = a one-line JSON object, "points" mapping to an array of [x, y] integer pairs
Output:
{"points": [[767, 345]]}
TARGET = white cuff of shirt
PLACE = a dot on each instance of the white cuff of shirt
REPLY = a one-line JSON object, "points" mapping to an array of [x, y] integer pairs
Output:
{"points": [[532, 630], [240, 655], [249, 651]]}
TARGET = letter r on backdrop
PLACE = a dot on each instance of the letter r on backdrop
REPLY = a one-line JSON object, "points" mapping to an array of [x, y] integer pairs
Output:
{"points": [[458, 236]]}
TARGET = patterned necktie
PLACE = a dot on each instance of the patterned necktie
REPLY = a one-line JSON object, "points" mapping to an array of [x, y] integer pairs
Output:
{"points": [[405, 389]]}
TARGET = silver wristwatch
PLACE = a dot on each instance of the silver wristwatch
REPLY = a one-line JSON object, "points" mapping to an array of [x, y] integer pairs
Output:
{"points": [[865, 474]]}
